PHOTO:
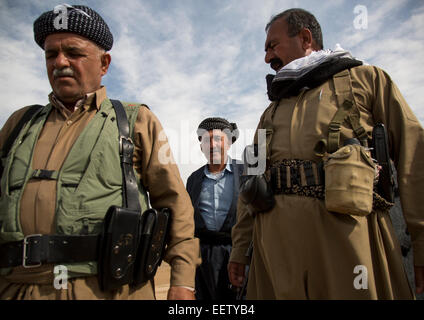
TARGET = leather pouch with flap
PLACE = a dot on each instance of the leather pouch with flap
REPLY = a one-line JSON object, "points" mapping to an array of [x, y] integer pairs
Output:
{"points": [[118, 247]]}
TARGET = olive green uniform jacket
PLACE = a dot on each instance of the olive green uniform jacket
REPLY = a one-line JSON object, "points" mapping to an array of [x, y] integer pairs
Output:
{"points": [[302, 251], [37, 216]]}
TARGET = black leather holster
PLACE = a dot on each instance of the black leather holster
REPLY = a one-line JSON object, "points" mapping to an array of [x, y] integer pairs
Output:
{"points": [[118, 247], [256, 193], [153, 240], [131, 246]]}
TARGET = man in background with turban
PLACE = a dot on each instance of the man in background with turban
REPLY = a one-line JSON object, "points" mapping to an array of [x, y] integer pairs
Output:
{"points": [[213, 190]]}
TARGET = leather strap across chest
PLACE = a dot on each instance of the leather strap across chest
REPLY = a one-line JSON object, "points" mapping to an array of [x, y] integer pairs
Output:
{"points": [[126, 150]]}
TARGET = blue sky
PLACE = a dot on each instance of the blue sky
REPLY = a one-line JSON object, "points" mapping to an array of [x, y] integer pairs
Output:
{"points": [[189, 59]]}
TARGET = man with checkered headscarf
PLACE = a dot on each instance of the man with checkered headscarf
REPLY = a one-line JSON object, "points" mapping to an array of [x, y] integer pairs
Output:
{"points": [[63, 172], [213, 190], [311, 235]]}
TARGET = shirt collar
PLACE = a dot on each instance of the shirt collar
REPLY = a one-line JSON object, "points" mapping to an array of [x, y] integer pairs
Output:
{"points": [[98, 96], [228, 167]]}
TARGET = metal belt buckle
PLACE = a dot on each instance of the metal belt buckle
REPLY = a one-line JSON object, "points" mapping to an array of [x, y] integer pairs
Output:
{"points": [[24, 257], [121, 143], [121, 148]]}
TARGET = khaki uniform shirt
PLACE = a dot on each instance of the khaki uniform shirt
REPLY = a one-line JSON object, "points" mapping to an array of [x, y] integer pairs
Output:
{"points": [[162, 181]]}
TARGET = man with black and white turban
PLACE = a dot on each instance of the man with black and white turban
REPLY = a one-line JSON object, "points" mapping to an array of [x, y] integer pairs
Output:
{"points": [[214, 189], [63, 172]]}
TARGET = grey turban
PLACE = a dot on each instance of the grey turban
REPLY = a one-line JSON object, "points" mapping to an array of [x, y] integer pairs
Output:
{"points": [[218, 124]]}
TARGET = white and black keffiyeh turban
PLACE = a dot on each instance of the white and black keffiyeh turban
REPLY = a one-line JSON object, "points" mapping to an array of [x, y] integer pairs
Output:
{"points": [[78, 19], [216, 123]]}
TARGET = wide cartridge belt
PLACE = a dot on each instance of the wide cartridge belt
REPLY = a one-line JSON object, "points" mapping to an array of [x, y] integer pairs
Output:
{"points": [[306, 178], [294, 176]]}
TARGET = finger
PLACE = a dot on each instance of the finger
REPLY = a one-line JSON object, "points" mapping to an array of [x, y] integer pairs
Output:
{"points": [[419, 280], [236, 279]]}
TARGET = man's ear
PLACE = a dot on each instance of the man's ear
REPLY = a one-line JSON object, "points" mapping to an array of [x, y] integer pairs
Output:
{"points": [[305, 36], [105, 60]]}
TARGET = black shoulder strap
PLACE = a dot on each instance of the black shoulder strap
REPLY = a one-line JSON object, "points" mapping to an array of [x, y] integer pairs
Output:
{"points": [[126, 149], [32, 110]]}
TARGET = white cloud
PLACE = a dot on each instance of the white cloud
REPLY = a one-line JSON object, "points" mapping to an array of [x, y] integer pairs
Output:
{"points": [[397, 46], [377, 16], [23, 80]]}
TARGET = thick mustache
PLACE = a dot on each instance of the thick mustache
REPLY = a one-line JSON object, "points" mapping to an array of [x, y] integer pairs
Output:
{"points": [[65, 72], [276, 63]]}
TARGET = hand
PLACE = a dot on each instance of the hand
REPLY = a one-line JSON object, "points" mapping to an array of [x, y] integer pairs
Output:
{"points": [[180, 293], [236, 273], [419, 279]]}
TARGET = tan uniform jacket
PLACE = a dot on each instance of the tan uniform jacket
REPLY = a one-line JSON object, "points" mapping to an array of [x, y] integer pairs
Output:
{"points": [[303, 251], [162, 181]]}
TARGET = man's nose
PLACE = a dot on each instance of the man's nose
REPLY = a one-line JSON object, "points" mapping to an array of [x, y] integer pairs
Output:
{"points": [[215, 143], [269, 55], [61, 61]]}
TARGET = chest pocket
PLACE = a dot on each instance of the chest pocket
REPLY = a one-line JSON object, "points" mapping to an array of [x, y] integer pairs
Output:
{"points": [[90, 180]]}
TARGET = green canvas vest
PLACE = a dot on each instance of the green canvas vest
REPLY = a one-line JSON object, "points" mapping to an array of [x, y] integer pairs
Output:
{"points": [[89, 182]]}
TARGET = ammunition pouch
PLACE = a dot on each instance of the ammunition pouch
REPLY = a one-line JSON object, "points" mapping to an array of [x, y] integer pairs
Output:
{"points": [[131, 246], [256, 193], [153, 237], [349, 181], [118, 246]]}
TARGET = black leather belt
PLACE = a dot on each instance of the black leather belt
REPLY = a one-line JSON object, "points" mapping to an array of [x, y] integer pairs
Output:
{"points": [[37, 249], [213, 237]]}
